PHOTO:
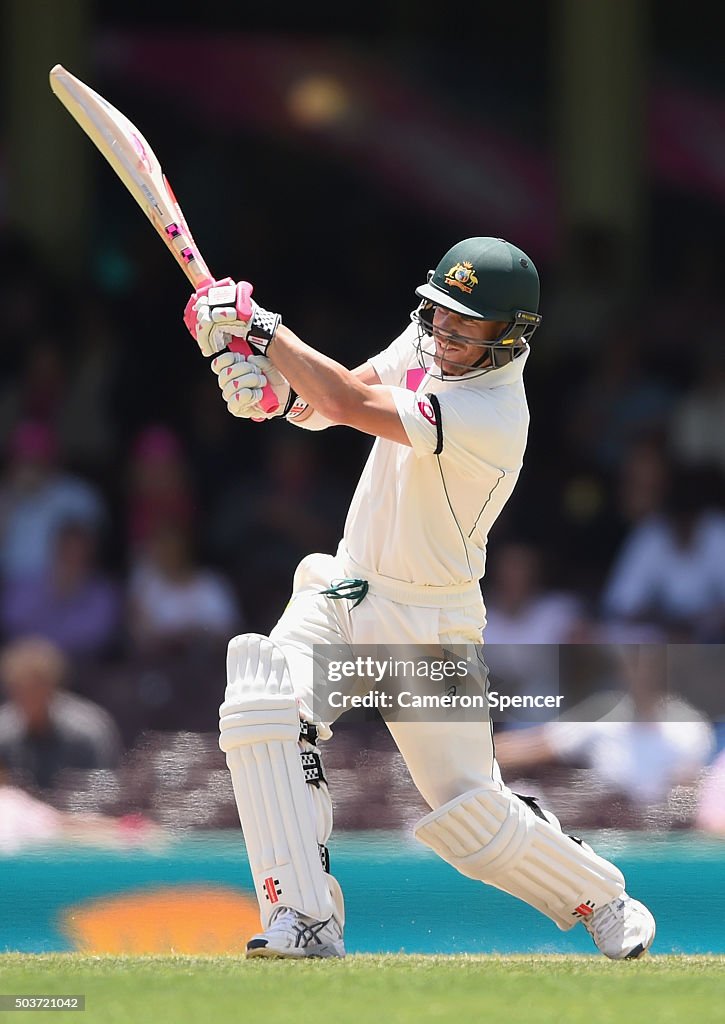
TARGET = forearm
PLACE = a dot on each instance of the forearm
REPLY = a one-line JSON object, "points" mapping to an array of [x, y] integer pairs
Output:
{"points": [[327, 385], [294, 371]]}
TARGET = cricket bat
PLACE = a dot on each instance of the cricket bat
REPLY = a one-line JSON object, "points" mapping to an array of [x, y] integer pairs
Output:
{"points": [[136, 164]]}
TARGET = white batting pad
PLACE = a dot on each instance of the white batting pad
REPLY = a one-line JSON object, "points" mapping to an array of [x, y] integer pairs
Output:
{"points": [[259, 731], [491, 835]]}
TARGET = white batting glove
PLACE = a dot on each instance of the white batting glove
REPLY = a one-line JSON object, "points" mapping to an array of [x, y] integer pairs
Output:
{"points": [[218, 313], [241, 380]]}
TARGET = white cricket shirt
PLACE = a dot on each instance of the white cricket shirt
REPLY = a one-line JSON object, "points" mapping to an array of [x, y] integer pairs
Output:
{"points": [[422, 514]]}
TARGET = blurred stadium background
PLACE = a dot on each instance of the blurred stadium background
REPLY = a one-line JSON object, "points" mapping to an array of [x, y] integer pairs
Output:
{"points": [[331, 159]]}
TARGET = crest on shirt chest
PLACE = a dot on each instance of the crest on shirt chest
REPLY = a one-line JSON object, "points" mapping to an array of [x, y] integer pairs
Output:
{"points": [[463, 276]]}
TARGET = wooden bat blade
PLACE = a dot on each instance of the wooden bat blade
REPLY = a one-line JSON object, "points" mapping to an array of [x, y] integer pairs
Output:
{"points": [[136, 164]]}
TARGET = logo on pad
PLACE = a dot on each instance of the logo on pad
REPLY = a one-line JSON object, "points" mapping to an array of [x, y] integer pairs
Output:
{"points": [[584, 909], [271, 892]]}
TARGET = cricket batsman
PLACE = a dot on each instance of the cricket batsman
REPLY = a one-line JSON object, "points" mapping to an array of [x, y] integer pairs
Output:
{"points": [[447, 407]]}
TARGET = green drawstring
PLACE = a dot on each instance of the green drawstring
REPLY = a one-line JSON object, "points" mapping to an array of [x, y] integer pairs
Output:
{"points": [[350, 590]]}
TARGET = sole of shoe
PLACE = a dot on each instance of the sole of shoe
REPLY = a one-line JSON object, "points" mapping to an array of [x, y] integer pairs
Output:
{"points": [[264, 952], [260, 952], [637, 953]]}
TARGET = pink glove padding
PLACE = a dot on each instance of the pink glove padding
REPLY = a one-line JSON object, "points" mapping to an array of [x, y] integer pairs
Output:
{"points": [[190, 312], [205, 319], [244, 300], [242, 310]]}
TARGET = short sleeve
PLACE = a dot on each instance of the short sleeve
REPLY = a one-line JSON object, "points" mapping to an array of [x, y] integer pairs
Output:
{"points": [[465, 427], [421, 418]]}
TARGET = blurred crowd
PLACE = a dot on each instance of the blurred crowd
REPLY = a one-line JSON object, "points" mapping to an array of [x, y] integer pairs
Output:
{"points": [[141, 526]]}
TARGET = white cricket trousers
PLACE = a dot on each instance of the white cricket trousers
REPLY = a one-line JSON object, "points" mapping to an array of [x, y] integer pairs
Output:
{"points": [[444, 759], [476, 823]]}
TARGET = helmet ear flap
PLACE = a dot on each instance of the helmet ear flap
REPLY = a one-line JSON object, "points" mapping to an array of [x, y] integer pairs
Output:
{"points": [[425, 315], [521, 328]]}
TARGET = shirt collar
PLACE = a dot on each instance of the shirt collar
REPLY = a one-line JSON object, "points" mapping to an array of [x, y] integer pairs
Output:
{"points": [[505, 374]]}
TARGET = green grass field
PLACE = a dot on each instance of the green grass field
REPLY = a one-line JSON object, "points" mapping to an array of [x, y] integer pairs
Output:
{"points": [[384, 989]]}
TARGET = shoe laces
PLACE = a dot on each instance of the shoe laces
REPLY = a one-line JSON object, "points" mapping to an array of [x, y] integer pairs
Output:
{"points": [[282, 920], [290, 922], [606, 920]]}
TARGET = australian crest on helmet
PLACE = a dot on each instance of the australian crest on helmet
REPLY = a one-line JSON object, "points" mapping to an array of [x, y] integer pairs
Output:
{"points": [[463, 276]]}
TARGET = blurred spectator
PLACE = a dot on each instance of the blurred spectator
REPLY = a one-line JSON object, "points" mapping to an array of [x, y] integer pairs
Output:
{"points": [[174, 601], [263, 526], [214, 436], [523, 621], [698, 422], [620, 400], [87, 421], [36, 497], [518, 609], [711, 808], [24, 820], [68, 387], [671, 569], [25, 275], [159, 486], [27, 822], [22, 278], [638, 744], [74, 605], [44, 729], [692, 287], [39, 392], [643, 482], [588, 295]]}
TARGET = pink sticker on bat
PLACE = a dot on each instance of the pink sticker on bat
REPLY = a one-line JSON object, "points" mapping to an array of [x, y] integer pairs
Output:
{"points": [[170, 190], [188, 255], [173, 231]]}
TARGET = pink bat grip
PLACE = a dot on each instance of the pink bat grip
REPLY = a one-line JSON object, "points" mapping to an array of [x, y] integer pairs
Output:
{"points": [[269, 400]]}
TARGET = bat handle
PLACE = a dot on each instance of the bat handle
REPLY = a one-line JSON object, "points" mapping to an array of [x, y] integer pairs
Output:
{"points": [[268, 400]]}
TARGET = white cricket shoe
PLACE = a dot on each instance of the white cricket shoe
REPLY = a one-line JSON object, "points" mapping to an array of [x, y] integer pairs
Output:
{"points": [[623, 929], [291, 935]]}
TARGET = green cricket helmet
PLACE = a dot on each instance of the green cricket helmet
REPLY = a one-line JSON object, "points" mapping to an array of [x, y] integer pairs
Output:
{"points": [[480, 279]]}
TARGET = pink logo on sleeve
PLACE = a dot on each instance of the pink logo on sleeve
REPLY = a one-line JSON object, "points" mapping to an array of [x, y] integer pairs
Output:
{"points": [[426, 410]]}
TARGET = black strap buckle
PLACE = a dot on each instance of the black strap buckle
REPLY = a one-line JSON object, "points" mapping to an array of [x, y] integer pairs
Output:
{"points": [[308, 731], [312, 767]]}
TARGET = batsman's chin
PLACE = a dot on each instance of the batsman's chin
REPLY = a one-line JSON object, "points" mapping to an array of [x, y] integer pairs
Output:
{"points": [[447, 367]]}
